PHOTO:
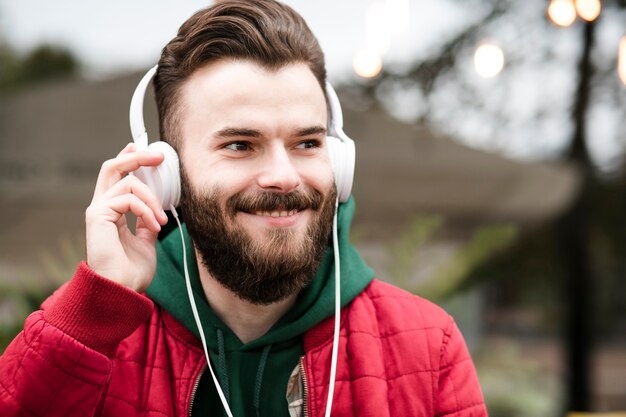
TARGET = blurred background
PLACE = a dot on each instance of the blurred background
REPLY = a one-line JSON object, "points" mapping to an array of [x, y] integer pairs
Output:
{"points": [[490, 170]]}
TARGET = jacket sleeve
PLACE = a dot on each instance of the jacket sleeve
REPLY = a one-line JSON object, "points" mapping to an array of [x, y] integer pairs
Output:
{"points": [[459, 393], [60, 364]]}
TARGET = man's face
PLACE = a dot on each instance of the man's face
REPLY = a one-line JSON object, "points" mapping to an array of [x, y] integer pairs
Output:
{"points": [[258, 190]]}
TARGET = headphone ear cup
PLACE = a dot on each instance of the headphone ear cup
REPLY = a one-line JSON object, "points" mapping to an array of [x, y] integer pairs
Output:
{"points": [[342, 159], [164, 179]]}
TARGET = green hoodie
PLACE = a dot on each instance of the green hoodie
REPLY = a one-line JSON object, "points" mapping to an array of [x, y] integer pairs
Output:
{"points": [[254, 375]]}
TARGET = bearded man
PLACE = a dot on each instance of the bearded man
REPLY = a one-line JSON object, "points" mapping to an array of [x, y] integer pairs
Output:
{"points": [[242, 99]]}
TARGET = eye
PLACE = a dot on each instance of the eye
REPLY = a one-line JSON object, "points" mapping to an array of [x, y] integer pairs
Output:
{"points": [[239, 146], [310, 144]]}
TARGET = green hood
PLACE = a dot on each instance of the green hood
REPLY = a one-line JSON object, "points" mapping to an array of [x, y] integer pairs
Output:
{"points": [[314, 304], [242, 368]]}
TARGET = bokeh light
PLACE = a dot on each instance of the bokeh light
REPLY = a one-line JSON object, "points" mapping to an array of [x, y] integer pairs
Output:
{"points": [[562, 12], [367, 63], [588, 9], [488, 60]]}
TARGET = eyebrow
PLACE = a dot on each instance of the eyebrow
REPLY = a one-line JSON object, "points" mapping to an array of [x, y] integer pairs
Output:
{"points": [[313, 130], [231, 132]]}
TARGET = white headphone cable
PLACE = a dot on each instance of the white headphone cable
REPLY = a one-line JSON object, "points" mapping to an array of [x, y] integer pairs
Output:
{"points": [[196, 316], [333, 360]]}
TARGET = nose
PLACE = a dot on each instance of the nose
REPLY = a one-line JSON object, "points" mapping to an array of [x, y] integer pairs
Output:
{"points": [[279, 174]]}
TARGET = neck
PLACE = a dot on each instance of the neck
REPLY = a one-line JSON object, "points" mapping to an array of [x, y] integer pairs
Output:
{"points": [[247, 320]]}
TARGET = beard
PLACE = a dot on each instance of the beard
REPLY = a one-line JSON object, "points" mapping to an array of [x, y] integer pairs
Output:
{"points": [[269, 268]]}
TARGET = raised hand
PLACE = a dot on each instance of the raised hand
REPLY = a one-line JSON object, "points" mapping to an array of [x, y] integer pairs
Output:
{"points": [[113, 250]]}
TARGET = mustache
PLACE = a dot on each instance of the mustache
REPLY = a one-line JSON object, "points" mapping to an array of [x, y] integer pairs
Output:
{"points": [[270, 201]]}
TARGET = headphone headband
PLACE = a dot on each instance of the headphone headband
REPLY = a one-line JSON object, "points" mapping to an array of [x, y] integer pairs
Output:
{"points": [[137, 125], [335, 114]]}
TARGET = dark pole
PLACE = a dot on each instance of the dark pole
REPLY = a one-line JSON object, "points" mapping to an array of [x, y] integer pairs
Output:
{"points": [[573, 242]]}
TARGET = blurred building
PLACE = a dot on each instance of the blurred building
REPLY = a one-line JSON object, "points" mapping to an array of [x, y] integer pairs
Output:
{"points": [[54, 138]]}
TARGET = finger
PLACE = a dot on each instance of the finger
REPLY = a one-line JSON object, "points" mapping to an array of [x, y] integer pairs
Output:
{"points": [[130, 147], [132, 185], [144, 233], [122, 204], [115, 169]]}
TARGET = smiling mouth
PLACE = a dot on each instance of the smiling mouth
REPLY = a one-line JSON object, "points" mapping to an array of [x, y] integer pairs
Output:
{"points": [[269, 205], [276, 213]]}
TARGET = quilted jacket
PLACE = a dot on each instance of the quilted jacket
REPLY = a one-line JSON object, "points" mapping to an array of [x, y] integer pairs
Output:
{"points": [[99, 349]]}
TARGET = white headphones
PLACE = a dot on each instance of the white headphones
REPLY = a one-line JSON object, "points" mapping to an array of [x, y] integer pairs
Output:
{"points": [[164, 179]]}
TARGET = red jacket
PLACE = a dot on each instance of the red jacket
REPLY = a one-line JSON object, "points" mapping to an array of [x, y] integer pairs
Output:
{"points": [[99, 349]]}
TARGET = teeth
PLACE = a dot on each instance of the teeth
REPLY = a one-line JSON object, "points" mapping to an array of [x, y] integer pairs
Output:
{"points": [[276, 213]]}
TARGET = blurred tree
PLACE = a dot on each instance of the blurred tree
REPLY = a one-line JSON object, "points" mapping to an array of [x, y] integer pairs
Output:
{"points": [[9, 66], [47, 62], [41, 64], [558, 97]]}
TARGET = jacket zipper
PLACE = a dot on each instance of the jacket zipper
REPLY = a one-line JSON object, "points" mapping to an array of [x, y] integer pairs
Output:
{"points": [[305, 388], [194, 390]]}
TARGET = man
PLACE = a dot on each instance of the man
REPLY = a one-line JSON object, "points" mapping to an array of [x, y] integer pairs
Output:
{"points": [[241, 97]]}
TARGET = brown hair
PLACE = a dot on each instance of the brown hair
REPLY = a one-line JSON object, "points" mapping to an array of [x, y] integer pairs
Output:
{"points": [[265, 32]]}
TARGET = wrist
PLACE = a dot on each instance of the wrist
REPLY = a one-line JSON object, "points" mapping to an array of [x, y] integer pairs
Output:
{"points": [[97, 311], [116, 275]]}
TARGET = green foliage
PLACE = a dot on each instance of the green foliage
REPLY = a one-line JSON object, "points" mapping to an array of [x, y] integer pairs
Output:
{"points": [[515, 385], [53, 268], [403, 252], [527, 276], [452, 276], [59, 267], [9, 67], [48, 62], [43, 63]]}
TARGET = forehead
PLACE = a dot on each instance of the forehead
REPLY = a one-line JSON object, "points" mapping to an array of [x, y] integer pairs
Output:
{"points": [[229, 92]]}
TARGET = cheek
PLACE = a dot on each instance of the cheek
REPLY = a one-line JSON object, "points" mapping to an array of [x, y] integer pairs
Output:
{"points": [[207, 173], [321, 177]]}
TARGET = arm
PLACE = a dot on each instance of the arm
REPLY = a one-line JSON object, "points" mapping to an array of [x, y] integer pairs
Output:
{"points": [[459, 392], [60, 364]]}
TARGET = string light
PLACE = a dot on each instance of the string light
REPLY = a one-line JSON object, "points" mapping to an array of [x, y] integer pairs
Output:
{"points": [[488, 60], [367, 63], [562, 12], [588, 9]]}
